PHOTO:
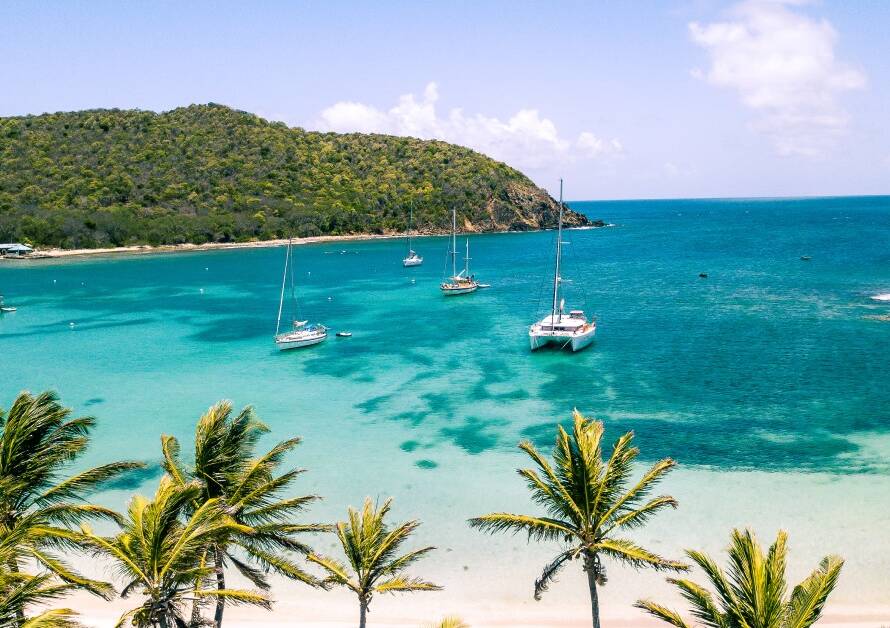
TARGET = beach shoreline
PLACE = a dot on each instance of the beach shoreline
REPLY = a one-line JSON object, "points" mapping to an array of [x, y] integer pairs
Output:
{"points": [[147, 249]]}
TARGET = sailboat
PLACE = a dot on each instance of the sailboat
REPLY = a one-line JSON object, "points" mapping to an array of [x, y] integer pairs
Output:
{"points": [[301, 334], [567, 330], [460, 282], [413, 259]]}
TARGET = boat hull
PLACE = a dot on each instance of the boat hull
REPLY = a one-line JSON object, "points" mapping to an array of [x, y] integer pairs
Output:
{"points": [[573, 341], [408, 262], [449, 291], [298, 341]]}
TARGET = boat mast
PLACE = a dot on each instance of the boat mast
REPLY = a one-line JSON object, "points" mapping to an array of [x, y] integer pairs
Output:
{"points": [[410, 220], [453, 242], [467, 260], [283, 284], [558, 254]]}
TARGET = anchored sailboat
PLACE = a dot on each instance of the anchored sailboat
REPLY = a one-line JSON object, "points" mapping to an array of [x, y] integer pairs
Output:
{"points": [[460, 282], [413, 259], [568, 330], [302, 334]]}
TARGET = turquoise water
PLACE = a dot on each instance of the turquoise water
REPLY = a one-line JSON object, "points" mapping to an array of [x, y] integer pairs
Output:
{"points": [[767, 380], [770, 363]]}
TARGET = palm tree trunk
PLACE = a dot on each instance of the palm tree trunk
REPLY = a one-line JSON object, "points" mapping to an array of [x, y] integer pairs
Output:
{"points": [[220, 586], [19, 611], [362, 613], [195, 621], [590, 568]]}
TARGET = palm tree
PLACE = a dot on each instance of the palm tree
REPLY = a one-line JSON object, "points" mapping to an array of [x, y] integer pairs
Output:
{"points": [[38, 441], [452, 621], [225, 468], [588, 502], [160, 551], [754, 592], [19, 591], [371, 548]]}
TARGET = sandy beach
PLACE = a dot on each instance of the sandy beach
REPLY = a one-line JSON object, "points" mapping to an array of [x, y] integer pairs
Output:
{"points": [[144, 249], [186, 248]]}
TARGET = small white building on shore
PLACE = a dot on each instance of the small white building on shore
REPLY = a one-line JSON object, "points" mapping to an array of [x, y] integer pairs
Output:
{"points": [[15, 249]]}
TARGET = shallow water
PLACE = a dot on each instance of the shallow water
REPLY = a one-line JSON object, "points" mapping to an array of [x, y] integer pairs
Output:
{"points": [[771, 363]]}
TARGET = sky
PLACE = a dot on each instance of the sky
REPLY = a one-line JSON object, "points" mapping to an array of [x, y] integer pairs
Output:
{"points": [[668, 99]]}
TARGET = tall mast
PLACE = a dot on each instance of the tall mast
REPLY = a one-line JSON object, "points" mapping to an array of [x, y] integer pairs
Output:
{"points": [[467, 260], [453, 242], [410, 220], [558, 254], [283, 285]]}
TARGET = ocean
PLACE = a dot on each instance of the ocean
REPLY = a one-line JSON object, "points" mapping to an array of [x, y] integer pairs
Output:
{"points": [[767, 380]]}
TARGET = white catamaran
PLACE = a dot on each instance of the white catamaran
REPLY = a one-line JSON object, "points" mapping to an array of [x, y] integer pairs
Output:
{"points": [[301, 334], [413, 259], [460, 282], [567, 330]]}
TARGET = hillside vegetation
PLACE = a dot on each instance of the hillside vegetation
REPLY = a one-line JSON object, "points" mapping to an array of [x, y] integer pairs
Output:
{"points": [[207, 173]]}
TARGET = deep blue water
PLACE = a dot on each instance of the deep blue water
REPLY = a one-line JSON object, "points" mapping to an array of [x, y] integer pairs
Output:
{"points": [[771, 362]]}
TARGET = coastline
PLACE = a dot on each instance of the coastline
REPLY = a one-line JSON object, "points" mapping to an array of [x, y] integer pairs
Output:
{"points": [[145, 249]]}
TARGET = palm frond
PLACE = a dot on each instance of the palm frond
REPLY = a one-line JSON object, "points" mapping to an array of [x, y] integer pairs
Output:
{"points": [[632, 554], [640, 490], [640, 516], [663, 613], [172, 464], [542, 584], [75, 487], [703, 605], [537, 528], [54, 618], [809, 597], [404, 584], [237, 596], [337, 573], [255, 575]]}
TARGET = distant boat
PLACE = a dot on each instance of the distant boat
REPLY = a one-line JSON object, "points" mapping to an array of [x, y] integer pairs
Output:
{"points": [[459, 282], [344, 334], [5, 308], [570, 330], [413, 259], [301, 334], [805, 258]]}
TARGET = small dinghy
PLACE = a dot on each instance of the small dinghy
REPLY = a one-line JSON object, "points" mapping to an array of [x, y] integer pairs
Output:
{"points": [[344, 334], [7, 309], [805, 258]]}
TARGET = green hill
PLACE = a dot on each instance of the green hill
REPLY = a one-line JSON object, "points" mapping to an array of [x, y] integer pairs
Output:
{"points": [[207, 173]]}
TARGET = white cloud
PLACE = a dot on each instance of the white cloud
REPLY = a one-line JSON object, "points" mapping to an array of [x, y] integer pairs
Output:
{"points": [[525, 140], [782, 63]]}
